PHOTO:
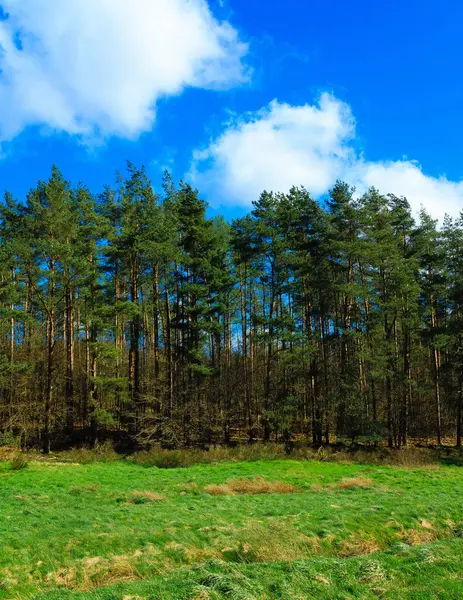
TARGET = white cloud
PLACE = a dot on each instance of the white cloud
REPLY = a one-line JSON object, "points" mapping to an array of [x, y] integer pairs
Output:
{"points": [[282, 145], [277, 147], [99, 66], [437, 195]]}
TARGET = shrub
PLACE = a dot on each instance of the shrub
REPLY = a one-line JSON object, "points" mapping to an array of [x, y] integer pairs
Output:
{"points": [[9, 439], [171, 459], [322, 454], [19, 462], [102, 453], [163, 459], [411, 456]]}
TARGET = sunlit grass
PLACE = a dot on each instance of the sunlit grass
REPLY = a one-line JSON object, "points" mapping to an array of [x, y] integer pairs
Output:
{"points": [[261, 529]]}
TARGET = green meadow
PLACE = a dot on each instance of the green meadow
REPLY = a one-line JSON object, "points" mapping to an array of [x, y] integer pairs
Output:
{"points": [[282, 529]]}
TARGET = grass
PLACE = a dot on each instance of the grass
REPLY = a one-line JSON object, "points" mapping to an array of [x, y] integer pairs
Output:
{"points": [[167, 459], [283, 529], [258, 485]]}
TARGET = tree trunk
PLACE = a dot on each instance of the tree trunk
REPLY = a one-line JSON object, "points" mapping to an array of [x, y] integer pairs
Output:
{"points": [[134, 356], [69, 384], [49, 381]]}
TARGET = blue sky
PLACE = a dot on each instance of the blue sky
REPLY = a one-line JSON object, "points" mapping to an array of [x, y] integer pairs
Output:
{"points": [[236, 95]]}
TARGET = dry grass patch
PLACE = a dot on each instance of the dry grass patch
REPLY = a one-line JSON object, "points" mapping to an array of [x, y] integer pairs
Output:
{"points": [[82, 455], [65, 577], [259, 485], [7, 453], [275, 541], [416, 537], [414, 457], [270, 550], [145, 497], [317, 487], [426, 524], [356, 545], [201, 595], [218, 490], [98, 571], [352, 482], [174, 546], [190, 487], [322, 579], [82, 489], [344, 484], [106, 572], [193, 554], [415, 467]]}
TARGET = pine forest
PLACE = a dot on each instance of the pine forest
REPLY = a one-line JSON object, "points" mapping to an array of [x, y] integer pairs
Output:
{"points": [[130, 315]]}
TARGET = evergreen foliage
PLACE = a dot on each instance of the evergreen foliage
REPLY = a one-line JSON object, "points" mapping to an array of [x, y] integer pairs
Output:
{"points": [[131, 314]]}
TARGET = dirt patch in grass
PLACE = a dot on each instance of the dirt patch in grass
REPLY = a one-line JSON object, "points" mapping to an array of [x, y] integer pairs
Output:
{"points": [[259, 485]]}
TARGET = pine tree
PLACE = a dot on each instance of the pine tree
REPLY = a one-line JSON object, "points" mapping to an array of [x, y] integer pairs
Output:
{"points": [[133, 315]]}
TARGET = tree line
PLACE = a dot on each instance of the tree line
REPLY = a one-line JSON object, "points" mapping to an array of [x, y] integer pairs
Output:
{"points": [[131, 314]]}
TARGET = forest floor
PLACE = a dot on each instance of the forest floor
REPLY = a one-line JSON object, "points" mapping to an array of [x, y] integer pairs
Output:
{"points": [[282, 529]]}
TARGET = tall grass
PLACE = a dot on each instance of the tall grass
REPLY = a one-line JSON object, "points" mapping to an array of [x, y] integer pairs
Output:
{"points": [[102, 453], [406, 457], [19, 462], [409, 456]]}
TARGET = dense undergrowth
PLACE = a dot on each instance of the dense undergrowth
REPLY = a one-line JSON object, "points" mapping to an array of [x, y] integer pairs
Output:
{"points": [[165, 459]]}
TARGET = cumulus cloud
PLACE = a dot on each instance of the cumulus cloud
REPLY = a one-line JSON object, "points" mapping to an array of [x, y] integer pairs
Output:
{"points": [[437, 195], [312, 145], [277, 147], [99, 66]]}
